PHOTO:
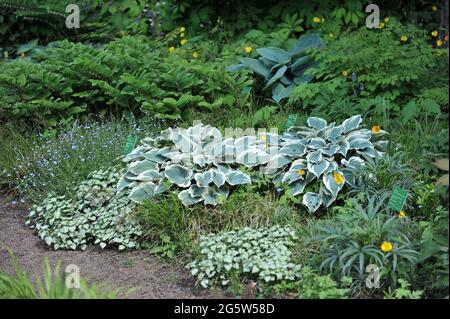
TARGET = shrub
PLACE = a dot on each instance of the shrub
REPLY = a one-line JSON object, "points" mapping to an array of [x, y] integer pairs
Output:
{"points": [[260, 253], [96, 215]]}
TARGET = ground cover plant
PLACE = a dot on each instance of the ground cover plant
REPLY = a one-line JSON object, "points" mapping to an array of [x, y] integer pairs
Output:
{"points": [[270, 149]]}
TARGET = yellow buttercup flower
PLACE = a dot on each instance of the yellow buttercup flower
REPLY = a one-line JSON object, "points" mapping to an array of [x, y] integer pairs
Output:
{"points": [[382, 25], [386, 19], [439, 43], [182, 29], [195, 55], [171, 49], [434, 33], [316, 20], [338, 178], [264, 137], [301, 172], [248, 49], [402, 214], [376, 129], [183, 42], [434, 8], [345, 73], [386, 246], [403, 38], [182, 35]]}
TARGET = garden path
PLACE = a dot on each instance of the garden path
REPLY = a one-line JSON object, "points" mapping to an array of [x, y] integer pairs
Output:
{"points": [[114, 269]]}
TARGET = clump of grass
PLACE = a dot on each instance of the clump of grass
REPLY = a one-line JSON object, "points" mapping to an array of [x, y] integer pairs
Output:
{"points": [[52, 286]]}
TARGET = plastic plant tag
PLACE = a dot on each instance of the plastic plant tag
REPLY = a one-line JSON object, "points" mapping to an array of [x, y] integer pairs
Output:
{"points": [[292, 119], [398, 198], [129, 146]]}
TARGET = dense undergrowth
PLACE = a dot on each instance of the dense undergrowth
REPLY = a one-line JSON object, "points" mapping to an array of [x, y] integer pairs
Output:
{"points": [[100, 136]]}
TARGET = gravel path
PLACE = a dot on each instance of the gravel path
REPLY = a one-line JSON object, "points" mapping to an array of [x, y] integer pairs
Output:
{"points": [[151, 278]]}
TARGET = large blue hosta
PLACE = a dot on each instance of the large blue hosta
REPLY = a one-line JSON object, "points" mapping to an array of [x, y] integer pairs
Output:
{"points": [[203, 165]]}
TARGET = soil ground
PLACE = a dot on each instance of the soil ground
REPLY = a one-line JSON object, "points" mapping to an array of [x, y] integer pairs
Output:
{"points": [[150, 278]]}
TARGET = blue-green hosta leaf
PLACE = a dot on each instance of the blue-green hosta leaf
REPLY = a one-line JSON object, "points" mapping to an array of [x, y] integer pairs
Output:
{"points": [[314, 157], [186, 143], [316, 123], [245, 142], [344, 147], [280, 72], [330, 183], [162, 187], [318, 168], [316, 143], [330, 150], [125, 182], [200, 160], [257, 66], [299, 63], [359, 134], [154, 156], [252, 157], [294, 148], [238, 178], [275, 54], [204, 179], [299, 164], [305, 77], [280, 92], [292, 176], [277, 161], [187, 199], [179, 175], [305, 42], [142, 166], [197, 191], [135, 154], [332, 167], [224, 168], [148, 176], [360, 144], [142, 192], [335, 133], [352, 123], [312, 201], [219, 178], [234, 68], [214, 195], [353, 163], [371, 152], [297, 187], [327, 198]]}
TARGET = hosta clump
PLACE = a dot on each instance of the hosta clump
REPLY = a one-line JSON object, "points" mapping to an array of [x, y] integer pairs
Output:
{"points": [[282, 69], [197, 161], [262, 254], [95, 215], [329, 154]]}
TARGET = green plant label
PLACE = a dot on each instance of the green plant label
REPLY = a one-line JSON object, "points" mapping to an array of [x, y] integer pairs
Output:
{"points": [[398, 198], [129, 146], [292, 119]]}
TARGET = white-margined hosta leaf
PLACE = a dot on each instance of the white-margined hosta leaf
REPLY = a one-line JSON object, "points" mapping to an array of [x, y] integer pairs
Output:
{"points": [[238, 178], [331, 185], [179, 175], [318, 168], [316, 123], [352, 123], [312, 201], [187, 199], [142, 166], [316, 143], [294, 148]]}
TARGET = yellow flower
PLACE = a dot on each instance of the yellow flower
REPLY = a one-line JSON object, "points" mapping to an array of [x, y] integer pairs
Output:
{"points": [[402, 214], [434, 8], [386, 246], [183, 42], [403, 38], [248, 49], [439, 43], [264, 137], [331, 35], [316, 20], [345, 73], [171, 49], [195, 55], [376, 129], [182, 35], [338, 178], [382, 25], [182, 29], [386, 19], [301, 172], [434, 33]]}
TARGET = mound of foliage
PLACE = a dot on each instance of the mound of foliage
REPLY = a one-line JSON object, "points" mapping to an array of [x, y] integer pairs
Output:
{"points": [[95, 215], [329, 154], [261, 253]]}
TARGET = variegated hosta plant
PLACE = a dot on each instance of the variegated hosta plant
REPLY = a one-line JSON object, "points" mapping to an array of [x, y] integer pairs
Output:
{"points": [[197, 160], [329, 154]]}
